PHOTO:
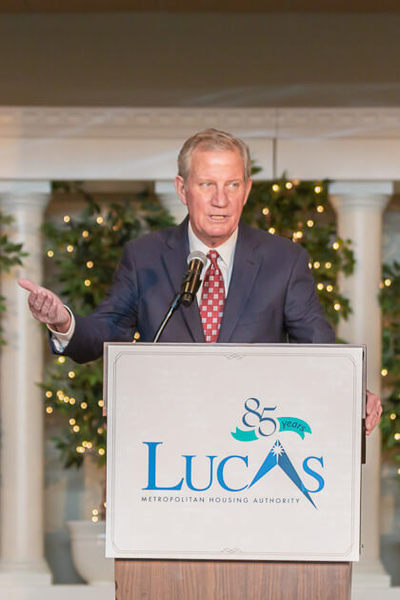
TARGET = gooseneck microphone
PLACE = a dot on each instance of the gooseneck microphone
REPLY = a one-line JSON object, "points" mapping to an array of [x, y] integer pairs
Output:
{"points": [[190, 285], [191, 281]]}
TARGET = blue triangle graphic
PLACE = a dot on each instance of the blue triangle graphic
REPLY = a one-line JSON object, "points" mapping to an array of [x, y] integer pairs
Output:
{"points": [[277, 456]]}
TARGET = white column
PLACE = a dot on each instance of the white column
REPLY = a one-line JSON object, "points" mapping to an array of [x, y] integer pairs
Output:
{"points": [[165, 190], [21, 515], [359, 207]]}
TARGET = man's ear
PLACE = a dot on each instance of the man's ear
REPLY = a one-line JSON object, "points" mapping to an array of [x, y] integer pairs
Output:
{"points": [[180, 188], [249, 183]]}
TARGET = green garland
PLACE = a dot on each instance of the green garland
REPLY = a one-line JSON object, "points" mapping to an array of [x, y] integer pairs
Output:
{"points": [[85, 250], [390, 303], [301, 212]]}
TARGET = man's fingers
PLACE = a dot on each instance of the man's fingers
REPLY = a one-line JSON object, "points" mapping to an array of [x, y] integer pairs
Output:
{"points": [[27, 284], [374, 412]]}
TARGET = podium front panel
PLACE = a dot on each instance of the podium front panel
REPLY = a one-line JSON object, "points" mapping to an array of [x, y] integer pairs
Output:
{"points": [[247, 452]]}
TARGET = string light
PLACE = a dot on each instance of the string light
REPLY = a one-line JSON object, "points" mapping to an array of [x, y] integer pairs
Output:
{"points": [[310, 223], [275, 187], [72, 401], [289, 185], [384, 372], [101, 451], [310, 265], [50, 253], [335, 245], [136, 336], [388, 282], [317, 264], [80, 449], [87, 282], [265, 211], [49, 394], [397, 436], [67, 219], [83, 405], [100, 403], [85, 233], [100, 430], [320, 286], [49, 409], [90, 264], [320, 208], [95, 515], [70, 248], [393, 416], [337, 306], [99, 220], [328, 265], [72, 422], [271, 230], [76, 428], [61, 360], [298, 235], [329, 288], [318, 189], [71, 374]]}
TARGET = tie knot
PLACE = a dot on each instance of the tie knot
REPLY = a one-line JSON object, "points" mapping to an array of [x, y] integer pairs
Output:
{"points": [[213, 256]]}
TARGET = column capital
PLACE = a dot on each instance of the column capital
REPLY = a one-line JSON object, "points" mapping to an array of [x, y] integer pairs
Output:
{"points": [[28, 194], [368, 195]]}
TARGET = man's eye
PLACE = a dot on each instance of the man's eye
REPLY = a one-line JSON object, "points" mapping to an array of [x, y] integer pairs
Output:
{"points": [[234, 185], [206, 184]]}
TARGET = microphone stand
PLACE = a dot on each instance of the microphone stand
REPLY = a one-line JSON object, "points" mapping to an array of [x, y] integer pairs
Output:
{"points": [[172, 308]]}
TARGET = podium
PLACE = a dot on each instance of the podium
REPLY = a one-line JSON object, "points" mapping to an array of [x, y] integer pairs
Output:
{"points": [[234, 471]]}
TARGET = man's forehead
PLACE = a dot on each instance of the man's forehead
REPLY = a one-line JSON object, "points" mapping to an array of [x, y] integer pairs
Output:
{"points": [[223, 161]]}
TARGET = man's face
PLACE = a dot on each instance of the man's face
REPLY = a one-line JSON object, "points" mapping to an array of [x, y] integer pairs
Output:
{"points": [[214, 193]]}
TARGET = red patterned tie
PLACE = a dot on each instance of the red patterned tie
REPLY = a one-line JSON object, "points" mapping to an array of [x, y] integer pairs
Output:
{"points": [[212, 299]]}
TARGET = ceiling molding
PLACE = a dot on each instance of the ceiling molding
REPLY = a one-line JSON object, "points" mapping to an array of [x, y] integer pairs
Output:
{"points": [[177, 123]]}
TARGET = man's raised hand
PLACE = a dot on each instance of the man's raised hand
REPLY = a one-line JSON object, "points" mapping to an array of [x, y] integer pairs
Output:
{"points": [[46, 306]]}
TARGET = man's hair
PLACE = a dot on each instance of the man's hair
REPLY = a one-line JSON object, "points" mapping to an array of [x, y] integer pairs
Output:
{"points": [[212, 139]]}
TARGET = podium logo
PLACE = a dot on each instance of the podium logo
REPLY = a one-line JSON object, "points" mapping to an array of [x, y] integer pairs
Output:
{"points": [[256, 424]]}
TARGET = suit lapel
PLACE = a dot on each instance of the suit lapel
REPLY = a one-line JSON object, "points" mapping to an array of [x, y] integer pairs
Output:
{"points": [[175, 265], [245, 268]]}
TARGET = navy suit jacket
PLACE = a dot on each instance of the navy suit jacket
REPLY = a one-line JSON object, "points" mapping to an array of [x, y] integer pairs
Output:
{"points": [[271, 297]]}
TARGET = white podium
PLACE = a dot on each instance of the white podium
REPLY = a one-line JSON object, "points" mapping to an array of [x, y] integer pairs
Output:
{"points": [[222, 455]]}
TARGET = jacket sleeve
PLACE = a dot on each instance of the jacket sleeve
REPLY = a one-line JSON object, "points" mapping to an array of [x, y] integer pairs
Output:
{"points": [[114, 320]]}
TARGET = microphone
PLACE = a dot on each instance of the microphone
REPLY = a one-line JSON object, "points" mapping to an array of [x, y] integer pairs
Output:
{"points": [[191, 281]]}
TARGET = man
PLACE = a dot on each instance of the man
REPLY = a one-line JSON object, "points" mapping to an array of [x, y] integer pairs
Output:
{"points": [[257, 288]]}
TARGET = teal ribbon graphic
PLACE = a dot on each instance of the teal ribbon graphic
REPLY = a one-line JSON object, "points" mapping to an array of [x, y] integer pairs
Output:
{"points": [[294, 424], [244, 436]]}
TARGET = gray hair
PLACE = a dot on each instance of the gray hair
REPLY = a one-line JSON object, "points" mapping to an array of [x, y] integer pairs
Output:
{"points": [[212, 139]]}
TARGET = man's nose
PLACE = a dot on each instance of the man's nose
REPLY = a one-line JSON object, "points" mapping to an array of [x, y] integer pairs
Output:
{"points": [[220, 197]]}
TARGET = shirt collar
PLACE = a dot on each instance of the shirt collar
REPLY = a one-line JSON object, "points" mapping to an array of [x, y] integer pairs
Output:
{"points": [[225, 250]]}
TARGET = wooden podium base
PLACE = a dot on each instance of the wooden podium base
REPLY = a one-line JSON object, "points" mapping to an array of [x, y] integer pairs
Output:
{"points": [[231, 580]]}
